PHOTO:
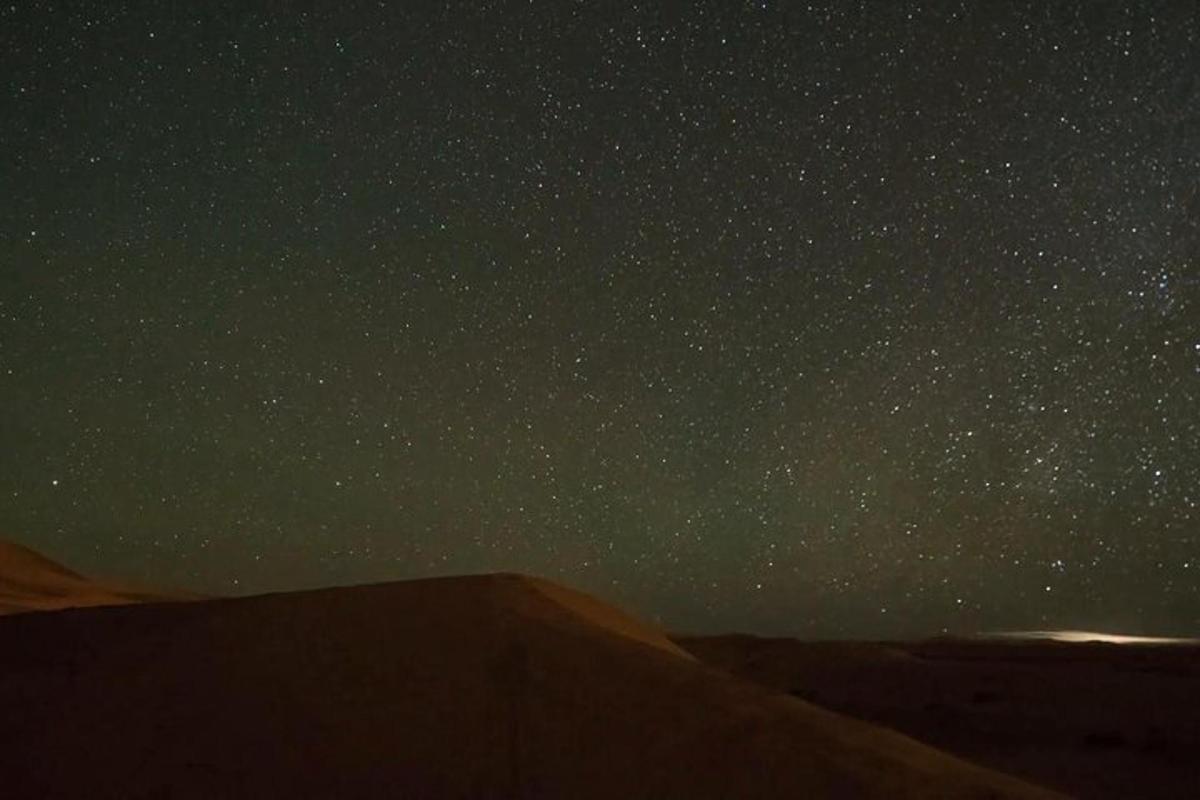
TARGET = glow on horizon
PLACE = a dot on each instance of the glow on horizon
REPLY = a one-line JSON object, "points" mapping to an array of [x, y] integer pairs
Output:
{"points": [[1091, 636]]}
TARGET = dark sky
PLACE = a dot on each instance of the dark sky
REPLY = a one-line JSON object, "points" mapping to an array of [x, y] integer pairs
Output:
{"points": [[858, 319]]}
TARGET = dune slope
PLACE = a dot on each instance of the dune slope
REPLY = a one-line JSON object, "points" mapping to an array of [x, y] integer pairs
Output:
{"points": [[488, 686]]}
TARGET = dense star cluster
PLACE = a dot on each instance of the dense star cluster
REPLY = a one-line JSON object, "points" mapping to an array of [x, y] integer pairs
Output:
{"points": [[843, 319]]}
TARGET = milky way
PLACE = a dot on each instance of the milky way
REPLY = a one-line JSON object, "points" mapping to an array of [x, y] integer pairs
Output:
{"points": [[848, 320]]}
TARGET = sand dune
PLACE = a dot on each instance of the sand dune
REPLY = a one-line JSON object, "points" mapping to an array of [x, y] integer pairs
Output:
{"points": [[488, 686], [31, 582], [1095, 720]]}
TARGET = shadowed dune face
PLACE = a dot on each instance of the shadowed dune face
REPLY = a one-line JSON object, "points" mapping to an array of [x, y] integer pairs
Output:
{"points": [[31, 582], [489, 686], [1094, 719]]}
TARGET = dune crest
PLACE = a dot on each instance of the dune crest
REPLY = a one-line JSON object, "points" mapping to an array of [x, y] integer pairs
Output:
{"points": [[597, 613]]}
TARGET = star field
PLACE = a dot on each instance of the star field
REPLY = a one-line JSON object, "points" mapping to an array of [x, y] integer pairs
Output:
{"points": [[857, 319]]}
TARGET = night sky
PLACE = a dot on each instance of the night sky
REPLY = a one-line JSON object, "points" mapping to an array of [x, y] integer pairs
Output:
{"points": [[859, 319]]}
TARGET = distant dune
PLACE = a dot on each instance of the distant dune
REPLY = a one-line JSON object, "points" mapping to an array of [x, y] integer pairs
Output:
{"points": [[31, 582], [487, 686]]}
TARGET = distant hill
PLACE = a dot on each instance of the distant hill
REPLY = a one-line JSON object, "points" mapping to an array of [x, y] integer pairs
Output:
{"points": [[498, 686], [31, 582]]}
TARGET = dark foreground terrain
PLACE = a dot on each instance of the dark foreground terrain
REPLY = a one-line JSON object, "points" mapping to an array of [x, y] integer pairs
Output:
{"points": [[1090, 719]]}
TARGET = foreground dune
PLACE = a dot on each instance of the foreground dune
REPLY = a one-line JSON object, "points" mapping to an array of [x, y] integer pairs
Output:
{"points": [[31, 582], [489, 686]]}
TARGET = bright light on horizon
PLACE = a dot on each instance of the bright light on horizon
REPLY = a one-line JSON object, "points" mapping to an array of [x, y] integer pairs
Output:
{"points": [[1090, 636]]}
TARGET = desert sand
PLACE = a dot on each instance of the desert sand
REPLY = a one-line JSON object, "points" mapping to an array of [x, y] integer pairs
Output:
{"points": [[1094, 720], [485, 686]]}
